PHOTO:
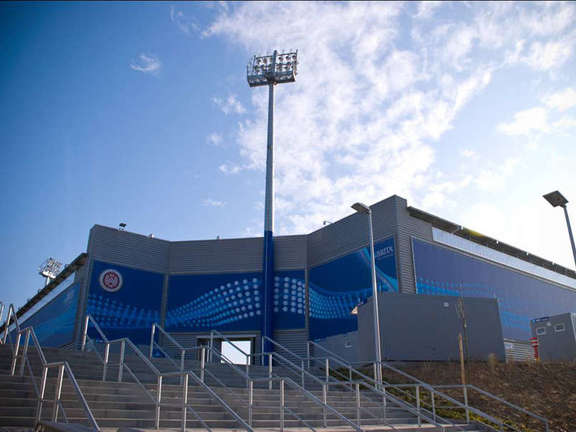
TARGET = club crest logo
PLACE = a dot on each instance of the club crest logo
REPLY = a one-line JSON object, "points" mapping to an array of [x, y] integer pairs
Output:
{"points": [[110, 280]]}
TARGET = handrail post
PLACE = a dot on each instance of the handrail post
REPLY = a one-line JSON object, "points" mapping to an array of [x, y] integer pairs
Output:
{"points": [[384, 402], [327, 368], [302, 373], [85, 332], [202, 363], [158, 402], [15, 355], [350, 372], [269, 371], [184, 400], [250, 401], [121, 360], [151, 350], [182, 361], [282, 405], [308, 353], [7, 324], [41, 394], [25, 352], [358, 403], [418, 405], [465, 389], [432, 397], [58, 393], [106, 359], [247, 370], [211, 344], [325, 401], [375, 376]]}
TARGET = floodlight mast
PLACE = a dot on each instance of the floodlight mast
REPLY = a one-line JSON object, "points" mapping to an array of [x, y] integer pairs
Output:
{"points": [[277, 68], [49, 269]]}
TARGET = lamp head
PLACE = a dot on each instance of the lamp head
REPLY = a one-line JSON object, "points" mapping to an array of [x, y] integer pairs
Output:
{"points": [[361, 208], [556, 199]]}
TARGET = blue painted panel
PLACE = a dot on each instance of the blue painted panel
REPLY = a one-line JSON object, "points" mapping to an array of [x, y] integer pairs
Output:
{"points": [[54, 322], [234, 302], [289, 300], [338, 286], [441, 271], [132, 309], [215, 301]]}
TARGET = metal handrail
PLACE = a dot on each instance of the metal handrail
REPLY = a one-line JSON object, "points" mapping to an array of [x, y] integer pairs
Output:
{"points": [[227, 339], [11, 313], [159, 378], [499, 399], [420, 383], [63, 367], [386, 396]]}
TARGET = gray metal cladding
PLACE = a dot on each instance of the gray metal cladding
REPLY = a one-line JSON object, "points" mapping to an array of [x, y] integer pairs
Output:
{"points": [[129, 249], [290, 252], [216, 256], [350, 233], [295, 340], [407, 227]]}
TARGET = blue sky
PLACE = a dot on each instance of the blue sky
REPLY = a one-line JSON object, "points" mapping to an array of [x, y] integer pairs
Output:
{"points": [[140, 113]]}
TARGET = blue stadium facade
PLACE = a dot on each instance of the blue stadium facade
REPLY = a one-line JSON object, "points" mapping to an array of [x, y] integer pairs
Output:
{"points": [[128, 281]]}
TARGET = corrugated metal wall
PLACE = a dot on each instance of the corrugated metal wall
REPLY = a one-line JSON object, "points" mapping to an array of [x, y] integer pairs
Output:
{"points": [[406, 228]]}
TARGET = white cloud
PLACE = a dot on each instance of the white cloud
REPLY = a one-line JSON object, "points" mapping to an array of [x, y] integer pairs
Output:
{"points": [[228, 168], [229, 105], [527, 122], [209, 202], [147, 63], [185, 23], [561, 100], [548, 55], [371, 105], [215, 139], [468, 153], [426, 9]]}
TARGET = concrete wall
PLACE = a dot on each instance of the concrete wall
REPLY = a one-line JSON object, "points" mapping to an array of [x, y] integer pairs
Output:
{"points": [[427, 327]]}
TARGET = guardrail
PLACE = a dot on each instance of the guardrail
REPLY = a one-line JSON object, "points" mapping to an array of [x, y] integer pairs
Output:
{"points": [[63, 368], [490, 422], [156, 398], [469, 388]]}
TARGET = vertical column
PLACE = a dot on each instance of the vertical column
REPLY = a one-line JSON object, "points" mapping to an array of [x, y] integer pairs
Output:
{"points": [[268, 265]]}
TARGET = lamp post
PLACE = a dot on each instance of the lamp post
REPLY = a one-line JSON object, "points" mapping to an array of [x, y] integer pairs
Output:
{"points": [[364, 209], [556, 199], [270, 70]]}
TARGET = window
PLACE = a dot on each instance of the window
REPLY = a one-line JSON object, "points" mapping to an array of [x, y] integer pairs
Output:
{"points": [[540, 331], [559, 328]]}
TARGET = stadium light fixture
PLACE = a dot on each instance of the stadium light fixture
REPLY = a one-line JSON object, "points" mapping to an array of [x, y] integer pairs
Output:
{"points": [[364, 209], [556, 199], [49, 269], [276, 68]]}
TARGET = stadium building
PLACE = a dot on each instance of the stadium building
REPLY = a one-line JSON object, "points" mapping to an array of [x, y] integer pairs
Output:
{"points": [[128, 281]]}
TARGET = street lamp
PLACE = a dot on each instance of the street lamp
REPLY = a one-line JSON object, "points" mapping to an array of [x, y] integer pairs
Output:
{"points": [[270, 70], [364, 209], [556, 199]]}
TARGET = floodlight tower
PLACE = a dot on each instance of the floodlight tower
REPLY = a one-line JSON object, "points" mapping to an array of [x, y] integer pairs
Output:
{"points": [[270, 70], [49, 269]]}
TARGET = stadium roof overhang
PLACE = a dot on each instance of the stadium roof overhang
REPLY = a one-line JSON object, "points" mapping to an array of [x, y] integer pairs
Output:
{"points": [[490, 242]]}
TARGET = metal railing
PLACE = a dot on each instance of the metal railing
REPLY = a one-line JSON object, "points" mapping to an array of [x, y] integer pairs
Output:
{"points": [[63, 368], [156, 398], [374, 391], [469, 388], [11, 314], [490, 421], [208, 354]]}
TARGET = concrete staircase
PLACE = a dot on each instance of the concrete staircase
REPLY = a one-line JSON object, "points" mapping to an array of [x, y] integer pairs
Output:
{"points": [[125, 404]]}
